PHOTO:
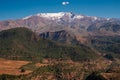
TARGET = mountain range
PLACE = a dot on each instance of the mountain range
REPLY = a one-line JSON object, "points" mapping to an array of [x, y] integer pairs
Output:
{"points": [[73, 23], [70, 28]]}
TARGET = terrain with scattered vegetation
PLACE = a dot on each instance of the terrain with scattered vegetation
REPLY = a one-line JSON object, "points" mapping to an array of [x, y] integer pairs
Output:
{"points": [[25, 55]]}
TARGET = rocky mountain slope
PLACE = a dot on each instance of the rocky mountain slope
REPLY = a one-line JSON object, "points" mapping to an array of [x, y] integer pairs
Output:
{"points": [[23, 44]]}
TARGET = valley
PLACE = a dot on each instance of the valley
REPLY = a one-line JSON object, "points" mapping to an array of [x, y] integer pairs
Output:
{"points": [[59, 69]]}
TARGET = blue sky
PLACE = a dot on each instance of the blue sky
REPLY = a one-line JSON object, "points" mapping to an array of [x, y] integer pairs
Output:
{"points": [[15, 9]]}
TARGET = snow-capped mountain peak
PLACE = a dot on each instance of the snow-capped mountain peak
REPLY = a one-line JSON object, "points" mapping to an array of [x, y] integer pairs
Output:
{"points": [[54, 15], [64, 15]]}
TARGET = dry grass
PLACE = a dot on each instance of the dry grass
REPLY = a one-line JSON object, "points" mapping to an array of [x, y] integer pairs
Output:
{"points": [[12, 67], [40, 64]]}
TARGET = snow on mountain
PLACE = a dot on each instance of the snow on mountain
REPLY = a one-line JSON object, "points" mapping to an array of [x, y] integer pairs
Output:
{"points": [[51, 15], [59, 15], [95, 18], [78, 17], [108, 19], [27, 17], [54, 16], [63, 15]]}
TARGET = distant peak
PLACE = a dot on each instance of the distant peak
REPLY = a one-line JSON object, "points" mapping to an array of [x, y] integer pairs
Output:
{"points": [[59, 15], [51, 15], [55, 16]]}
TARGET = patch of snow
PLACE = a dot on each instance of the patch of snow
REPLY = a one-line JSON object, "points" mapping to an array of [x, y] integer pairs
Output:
{"points": [[27, 17], [78, 17], [95, 18], [51, 15], [108, 19]]}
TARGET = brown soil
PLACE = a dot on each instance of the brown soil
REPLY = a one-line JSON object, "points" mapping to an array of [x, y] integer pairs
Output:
{"points": [[12, 67]]}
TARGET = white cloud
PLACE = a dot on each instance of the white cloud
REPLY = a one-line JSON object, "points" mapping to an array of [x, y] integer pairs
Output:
{"points": [[65, 3]]}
